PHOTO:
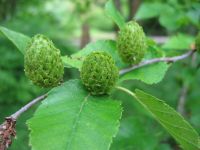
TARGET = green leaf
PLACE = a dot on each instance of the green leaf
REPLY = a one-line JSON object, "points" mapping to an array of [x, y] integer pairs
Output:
{"points": [[101, 45], [149, 10], [179, 42], [173, 22], [167, 18], [71, 119], [18, 39], [71, 63], [194, 15], [173, 122], [133, 131], [150, 74], [114, 14]]}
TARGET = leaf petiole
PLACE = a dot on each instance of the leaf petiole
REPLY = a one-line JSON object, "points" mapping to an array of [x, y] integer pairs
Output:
{"points": [[126, 91]]}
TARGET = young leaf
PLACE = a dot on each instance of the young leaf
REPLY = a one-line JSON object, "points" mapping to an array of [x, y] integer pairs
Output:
{"points": [[151, 74], [173, 122], [71, 119], [114, 14], [101, 45], [18, 39]]}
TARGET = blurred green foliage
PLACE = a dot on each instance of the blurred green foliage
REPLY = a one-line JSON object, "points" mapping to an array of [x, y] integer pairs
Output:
{"points": [[173, 15], [63, 25]]}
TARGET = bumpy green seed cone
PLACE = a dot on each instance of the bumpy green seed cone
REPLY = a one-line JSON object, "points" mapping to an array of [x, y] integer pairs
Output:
{"points": [[43, 64], [131, 43], [197, 42], [99, 73]]}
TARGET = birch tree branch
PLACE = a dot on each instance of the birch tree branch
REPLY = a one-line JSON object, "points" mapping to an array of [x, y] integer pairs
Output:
{"points": [[27, 106], [7, 128], [156, 60]]}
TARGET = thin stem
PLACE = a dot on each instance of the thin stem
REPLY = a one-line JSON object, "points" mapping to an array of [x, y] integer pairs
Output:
{"points": [[156, 60], [126, 91], [27, 106]]}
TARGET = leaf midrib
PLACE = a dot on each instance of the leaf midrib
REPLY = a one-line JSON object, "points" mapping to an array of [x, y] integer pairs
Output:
{"points": [[75, 124], [166, 127], [176, 135]]}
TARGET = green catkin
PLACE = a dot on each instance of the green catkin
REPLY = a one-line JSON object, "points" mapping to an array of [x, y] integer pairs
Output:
{"points": [[99, 73], [131, 43], [42, 62]]}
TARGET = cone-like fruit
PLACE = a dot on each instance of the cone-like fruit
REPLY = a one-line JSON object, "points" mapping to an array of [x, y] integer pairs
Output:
{"points": [[99, 73], [43, 64], [131, 43], [197, 42]]}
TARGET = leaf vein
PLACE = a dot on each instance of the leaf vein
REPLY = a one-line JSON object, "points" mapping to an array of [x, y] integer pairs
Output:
{"points": [[76, 122]]}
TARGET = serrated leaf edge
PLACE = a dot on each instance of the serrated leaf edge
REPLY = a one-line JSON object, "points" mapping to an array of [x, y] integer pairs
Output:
{"points": [[160, 120], [116, 128]]}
